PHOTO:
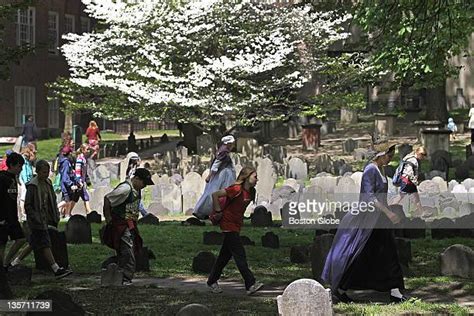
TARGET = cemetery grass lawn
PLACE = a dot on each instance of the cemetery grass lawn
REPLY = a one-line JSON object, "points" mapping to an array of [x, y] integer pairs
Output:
{"points": [[175, 246]]}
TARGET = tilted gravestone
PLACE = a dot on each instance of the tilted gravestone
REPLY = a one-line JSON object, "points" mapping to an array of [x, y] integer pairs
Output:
{"points": [[305, 297], [149, 219], [78, 230]]}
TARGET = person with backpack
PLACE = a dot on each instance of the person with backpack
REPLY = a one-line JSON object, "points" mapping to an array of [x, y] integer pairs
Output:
{"points": [[238, 196], [406, 177], [69, 187], [29, 155], [121, 211], [80, 172]]}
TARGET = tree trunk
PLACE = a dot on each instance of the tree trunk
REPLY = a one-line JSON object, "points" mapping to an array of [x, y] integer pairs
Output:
{"points": [[435, 103], [68, 121]]}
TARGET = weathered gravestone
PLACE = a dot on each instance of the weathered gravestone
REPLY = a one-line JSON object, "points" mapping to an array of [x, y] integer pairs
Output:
{"points": [[458, 260], [299, 254], [267, 179], [348, 146], [297, 169], [94, 217], [212, 238], [193, 221], [323, 163], [78, 230], [360, 154], [305, 297], [100, 177], [195, 310], [261, 217], [149, 219], [270, 240], [203, 262], [111, 276], [63, 304], [319, 251]]}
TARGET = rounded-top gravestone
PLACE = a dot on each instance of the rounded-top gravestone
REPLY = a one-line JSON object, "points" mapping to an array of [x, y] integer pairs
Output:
{"points": [[78, 230]]}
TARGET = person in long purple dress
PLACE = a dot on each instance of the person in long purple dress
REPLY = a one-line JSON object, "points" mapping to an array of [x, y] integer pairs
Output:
{"points": [[363, 254]]}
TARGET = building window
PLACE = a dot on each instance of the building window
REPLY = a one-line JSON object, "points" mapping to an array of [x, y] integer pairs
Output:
{"points": [[53, 32], [53, 113], [24, 104], [85, 25], [25, 27], [69, 23]]}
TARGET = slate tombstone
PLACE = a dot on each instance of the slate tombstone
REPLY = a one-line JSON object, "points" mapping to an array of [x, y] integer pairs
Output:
{"points": [[63, 304], [149, 219], [270, 240], [261, 217], [323, 162], [111, 276], [318, 253], [360, 154], [193, 221], [297, 169], [212, 238], [299, 254], [305, 297], [94, 217], [78, 230], [348, 146], [203, 262]]}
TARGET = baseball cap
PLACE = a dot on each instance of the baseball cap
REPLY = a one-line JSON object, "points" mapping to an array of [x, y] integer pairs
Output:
{"points": [[144, 175]]}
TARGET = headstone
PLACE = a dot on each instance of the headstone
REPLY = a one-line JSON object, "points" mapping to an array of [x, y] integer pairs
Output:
{"points": [[78, 230], [157, 209], [63, 304], [246, 241], [444, 154], [203, 262], [292, 183], [205, 144], [195, 310], [193, 221], [360, 154], [142, 260], [149, 219], [297, 169], [270, 240], [267, 179], [319, 251], [348, 146], [462, 172], [19, 275], [323, 163], [261, 217], [212, 238], [305, 297], [404, 149], [435, 173], [94, 217], [111, 276], [299, 254], [344, 169], [458, 260], [439, 163], [100, 177], [248, 147]]}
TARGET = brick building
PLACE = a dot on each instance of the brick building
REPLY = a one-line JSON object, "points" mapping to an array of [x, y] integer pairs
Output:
{"points": [[25, 93]]}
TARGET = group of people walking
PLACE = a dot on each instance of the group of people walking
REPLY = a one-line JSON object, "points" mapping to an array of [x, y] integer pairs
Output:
{"points": [[363, 254]]}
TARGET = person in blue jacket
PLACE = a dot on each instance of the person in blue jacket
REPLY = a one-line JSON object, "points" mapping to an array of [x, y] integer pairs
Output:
{"points": [[69, 186]]}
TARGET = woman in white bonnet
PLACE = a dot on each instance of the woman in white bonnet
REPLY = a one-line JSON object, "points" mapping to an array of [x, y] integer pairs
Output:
{"points": [[221, 175]]}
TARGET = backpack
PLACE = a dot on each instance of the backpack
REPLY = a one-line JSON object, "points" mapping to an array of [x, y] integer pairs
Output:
{"points": [[397, 177]]}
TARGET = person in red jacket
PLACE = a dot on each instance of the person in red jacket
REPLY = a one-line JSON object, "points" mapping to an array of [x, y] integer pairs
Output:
{"points": [[93, 138], [239, 195]]}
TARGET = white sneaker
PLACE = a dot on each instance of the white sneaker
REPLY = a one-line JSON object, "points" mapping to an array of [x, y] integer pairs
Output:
{"points": [[215, 288], [254, 288]]}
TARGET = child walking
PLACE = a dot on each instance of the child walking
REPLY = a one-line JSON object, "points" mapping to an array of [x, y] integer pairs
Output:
{"points": [[239, 196]]}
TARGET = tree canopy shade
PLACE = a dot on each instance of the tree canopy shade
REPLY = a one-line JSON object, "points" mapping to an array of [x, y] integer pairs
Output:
{"points": [[199, 60]]}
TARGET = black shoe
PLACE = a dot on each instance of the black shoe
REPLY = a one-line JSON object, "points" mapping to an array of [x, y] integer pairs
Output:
{"points": [[402, 299], [61, 273], [343, 297]]}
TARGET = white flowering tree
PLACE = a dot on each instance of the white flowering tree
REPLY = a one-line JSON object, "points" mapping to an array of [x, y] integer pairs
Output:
{"points": [[197, 61]]}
